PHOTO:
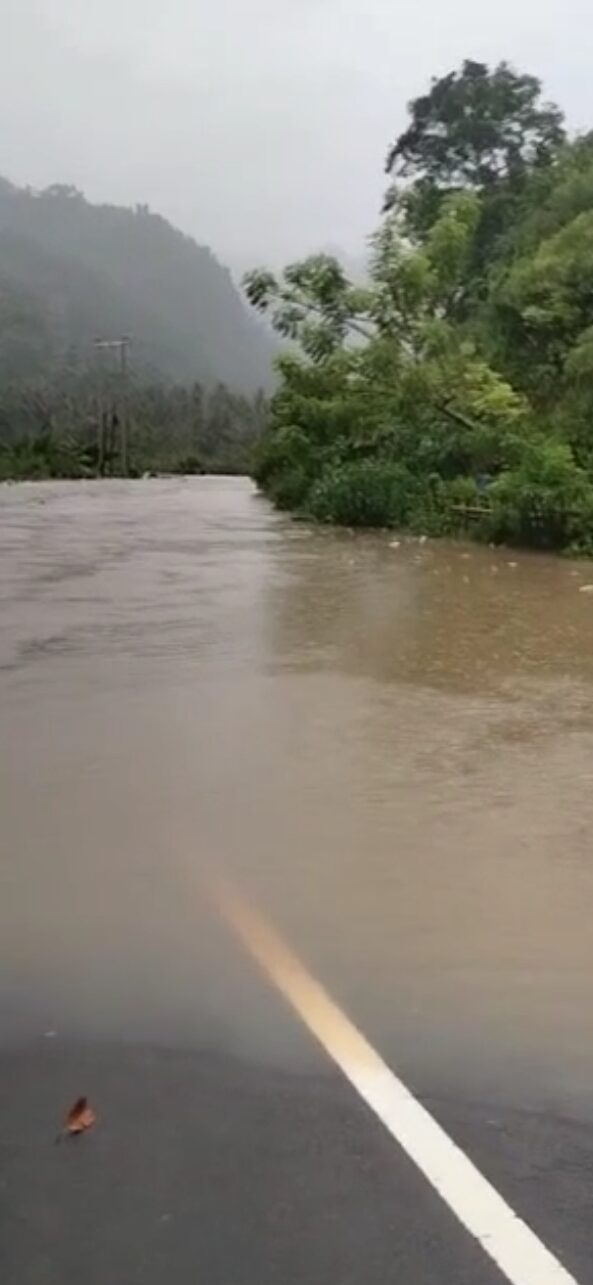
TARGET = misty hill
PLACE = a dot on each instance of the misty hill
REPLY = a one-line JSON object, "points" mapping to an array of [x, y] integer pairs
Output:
{"points": [[71, 271]]}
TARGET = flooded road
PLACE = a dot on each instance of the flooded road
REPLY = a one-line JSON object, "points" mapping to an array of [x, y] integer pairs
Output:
{"points": [[391, 748]]}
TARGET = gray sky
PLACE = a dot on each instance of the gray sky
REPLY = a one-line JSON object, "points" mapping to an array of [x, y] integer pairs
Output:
{"points": [[260, 126]]}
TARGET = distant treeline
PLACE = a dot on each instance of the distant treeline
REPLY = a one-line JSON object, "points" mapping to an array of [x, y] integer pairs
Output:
{"points": [[75, 424]]}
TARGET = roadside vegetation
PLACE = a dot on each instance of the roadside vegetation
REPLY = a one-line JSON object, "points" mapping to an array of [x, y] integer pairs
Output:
{"points": [[453, 388]]}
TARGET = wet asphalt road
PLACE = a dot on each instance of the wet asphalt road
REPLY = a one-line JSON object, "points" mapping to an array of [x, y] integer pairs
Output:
{"points": [[203, 1168]]}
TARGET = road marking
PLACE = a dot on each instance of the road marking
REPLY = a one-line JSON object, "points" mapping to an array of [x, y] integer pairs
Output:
{"points": [[516, 1250]]}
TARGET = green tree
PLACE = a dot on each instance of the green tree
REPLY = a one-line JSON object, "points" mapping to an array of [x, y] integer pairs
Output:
{"points": [[476, 128], [463, 372], [388, 374]]}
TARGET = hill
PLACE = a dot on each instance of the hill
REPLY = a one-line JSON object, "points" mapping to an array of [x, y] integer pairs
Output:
{"points": [[71, 270]]}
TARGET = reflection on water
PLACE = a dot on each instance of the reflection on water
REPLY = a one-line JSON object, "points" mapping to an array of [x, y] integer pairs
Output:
{"points": [[390, 746]]}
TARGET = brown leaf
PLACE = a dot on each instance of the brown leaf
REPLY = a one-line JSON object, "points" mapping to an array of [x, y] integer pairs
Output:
{"points": [[80, 1117]]}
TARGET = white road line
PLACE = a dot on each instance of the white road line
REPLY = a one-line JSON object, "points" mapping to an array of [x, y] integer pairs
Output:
{"points": [[512, 1245]]}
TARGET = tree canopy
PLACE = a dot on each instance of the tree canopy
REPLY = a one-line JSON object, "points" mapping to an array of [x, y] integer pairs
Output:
{"points": [[476, 127]]}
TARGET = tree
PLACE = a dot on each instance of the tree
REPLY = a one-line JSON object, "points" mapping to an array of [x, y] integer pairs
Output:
{"points": [[463, 372], [538, 317], [404, 315], [313, 302], [391, 380], [197, 417], [476, 127]]}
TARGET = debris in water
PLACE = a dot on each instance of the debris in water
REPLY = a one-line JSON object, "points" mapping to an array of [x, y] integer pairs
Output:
{"points": [[586, 588]]}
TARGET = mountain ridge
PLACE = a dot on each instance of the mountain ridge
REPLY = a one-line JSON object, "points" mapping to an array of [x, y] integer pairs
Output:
{"points": [[86, 269]]}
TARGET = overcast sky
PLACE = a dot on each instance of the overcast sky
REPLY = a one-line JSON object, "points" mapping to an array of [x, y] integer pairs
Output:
{"points": [[260, 126]]}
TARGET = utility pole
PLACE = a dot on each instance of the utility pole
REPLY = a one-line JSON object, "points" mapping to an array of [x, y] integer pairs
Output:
{"points": [[121, 347], [101, 426]]}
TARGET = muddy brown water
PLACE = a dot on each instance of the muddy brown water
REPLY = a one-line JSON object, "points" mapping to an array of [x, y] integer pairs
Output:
{"points": [[391, 748]]}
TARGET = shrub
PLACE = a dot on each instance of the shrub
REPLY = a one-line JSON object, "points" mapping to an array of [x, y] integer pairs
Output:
{"points": [[547, 502], [279, 452], [189, 465], [288, 488], [366, 493]]}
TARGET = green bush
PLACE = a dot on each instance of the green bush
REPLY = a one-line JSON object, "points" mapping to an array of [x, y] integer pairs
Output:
{"points": [[547, 502], [280, 451], [365, 493], [189, 465], [42, 457], [289, 488]]}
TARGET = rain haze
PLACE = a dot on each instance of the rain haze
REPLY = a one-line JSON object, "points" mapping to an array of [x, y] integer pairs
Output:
{"points": [[296, 643], [259, 128]]}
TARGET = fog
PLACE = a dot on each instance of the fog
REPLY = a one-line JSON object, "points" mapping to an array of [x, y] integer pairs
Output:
{"points": [[260, 127]]}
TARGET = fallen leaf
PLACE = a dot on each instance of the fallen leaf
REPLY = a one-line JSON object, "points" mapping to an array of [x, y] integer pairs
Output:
{"points": [[80, 1118]]}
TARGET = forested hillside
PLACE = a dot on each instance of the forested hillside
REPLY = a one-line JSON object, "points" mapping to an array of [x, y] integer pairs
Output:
{"points": [[70, 271], [190, 395], [466, 401]]}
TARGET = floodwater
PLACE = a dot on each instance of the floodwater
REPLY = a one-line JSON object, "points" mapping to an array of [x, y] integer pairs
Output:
{"points": [[391, 749]]}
